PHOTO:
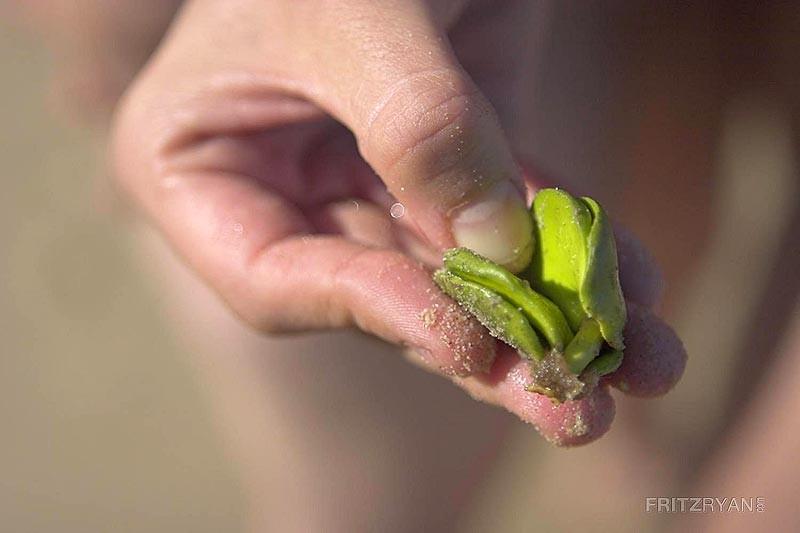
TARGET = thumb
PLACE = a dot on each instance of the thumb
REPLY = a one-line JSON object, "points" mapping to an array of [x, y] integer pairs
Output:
{"points": [[424, 127]]}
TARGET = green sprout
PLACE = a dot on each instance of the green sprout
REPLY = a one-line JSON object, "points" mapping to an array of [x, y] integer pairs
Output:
{"points": [[566, 314]]}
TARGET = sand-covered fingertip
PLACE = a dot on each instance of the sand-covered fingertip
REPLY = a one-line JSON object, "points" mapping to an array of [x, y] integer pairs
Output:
{"points": [[395, 298], [654, 358], [570, 423], [639, 274], [459, 344]]}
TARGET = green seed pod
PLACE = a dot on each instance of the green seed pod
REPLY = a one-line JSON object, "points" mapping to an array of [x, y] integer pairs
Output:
{"points": [[584, 346], [600, 292], [501, 318], [605, 363], [543, 314], [567, 318], [575, 263], [559, 261]]}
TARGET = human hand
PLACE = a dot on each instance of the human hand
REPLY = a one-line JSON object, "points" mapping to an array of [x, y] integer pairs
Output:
{"points": [[250, 140]]}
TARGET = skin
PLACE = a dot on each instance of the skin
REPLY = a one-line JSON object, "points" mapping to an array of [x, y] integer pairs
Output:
{"points": [[235, 149], [239, 156]]}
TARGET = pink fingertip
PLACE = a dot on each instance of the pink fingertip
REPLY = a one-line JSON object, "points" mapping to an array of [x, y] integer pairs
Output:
{"points": [[457, 343], [567, 424], [419, 315], [654, 358], [639, 273]]}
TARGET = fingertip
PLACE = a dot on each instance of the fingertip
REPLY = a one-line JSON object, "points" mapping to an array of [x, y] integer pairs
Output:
{"points": [[497, 225], [654, 358], [567, 424], [639, 274], [395, 297], [456, 343], [571, 423]]}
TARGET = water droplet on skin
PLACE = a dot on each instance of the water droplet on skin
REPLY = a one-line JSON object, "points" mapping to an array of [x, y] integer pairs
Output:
{"points": [[238, 229], [397, 210]]}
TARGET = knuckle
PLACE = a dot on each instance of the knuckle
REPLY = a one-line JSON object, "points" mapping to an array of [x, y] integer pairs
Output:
{"points": [[428, 116], [128, 134], [264, 321], [146, 125]]}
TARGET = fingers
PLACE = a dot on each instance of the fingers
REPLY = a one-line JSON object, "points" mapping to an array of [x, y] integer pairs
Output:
{"points": [[227, 212], [213, 154], [279, 282], [422, 124], [654, 362], [654, 358], [386, 70], [329, 282], [568, 424], [243, 240], [639, 274], [248, 244]]}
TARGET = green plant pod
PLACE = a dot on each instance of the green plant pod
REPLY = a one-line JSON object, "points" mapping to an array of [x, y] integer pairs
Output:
{"points": [[600, 292], [584, 346], [605, 363], [544, 315], [575, 262], [503, 320], [568, 317], [559, 262]]}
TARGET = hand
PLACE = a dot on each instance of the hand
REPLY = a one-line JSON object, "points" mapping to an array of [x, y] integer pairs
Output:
{"points": [[253, 139]]}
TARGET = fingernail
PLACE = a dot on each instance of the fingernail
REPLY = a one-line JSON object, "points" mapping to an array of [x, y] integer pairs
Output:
{"points": [[498, 226]]}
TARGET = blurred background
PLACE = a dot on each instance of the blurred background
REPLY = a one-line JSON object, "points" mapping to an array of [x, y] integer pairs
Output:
{"points": [[103, 427], [107, 428]]}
